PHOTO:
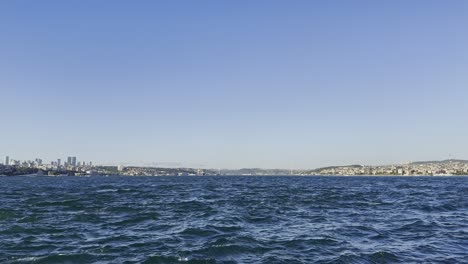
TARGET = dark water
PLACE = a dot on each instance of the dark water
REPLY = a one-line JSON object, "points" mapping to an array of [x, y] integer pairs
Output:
{"points": [[234, 220]]}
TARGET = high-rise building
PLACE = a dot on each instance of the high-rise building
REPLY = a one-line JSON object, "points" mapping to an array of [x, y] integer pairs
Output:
{"points": [[7, 160], [73, 161], [69, 160], [59, 161]]}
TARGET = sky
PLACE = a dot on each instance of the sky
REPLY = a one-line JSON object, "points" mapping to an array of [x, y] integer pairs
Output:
{"points": [[234, 84]]}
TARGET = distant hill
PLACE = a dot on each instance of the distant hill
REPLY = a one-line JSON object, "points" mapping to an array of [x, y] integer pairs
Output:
{"points": [[439, 161]]}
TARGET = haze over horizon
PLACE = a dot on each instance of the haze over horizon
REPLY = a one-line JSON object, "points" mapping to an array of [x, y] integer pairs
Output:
{"points": [[234, 84]]}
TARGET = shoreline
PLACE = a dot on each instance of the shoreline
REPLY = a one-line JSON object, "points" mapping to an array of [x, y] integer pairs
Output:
{"points": [[225, 176]]}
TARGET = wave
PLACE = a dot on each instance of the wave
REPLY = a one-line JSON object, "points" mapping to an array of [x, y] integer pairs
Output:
{"points": [[232, 220]]}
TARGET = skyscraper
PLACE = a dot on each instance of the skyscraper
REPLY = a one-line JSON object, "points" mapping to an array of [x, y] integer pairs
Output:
{"points": [[7, 160], [69, 160], [73, 161], [58, 162]]}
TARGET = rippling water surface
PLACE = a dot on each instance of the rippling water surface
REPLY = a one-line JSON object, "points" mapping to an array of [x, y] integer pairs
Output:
{"points": [[233, 220]]}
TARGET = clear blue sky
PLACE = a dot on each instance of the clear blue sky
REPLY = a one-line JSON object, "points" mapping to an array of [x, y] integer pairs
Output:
{"points": [[273, 84]]}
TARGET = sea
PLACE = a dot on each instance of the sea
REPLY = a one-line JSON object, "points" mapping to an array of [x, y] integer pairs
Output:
{"points": [[233, 219]]}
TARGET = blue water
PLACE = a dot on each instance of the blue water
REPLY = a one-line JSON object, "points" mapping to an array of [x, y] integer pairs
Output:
{"points": [[234, 220]]}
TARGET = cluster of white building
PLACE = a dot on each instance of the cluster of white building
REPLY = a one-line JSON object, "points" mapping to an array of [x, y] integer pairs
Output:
{"points": [[445, 168]]}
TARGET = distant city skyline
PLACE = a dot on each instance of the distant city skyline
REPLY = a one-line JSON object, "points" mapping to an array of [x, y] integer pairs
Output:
{"points": [[73, 161], [234, 84]]}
